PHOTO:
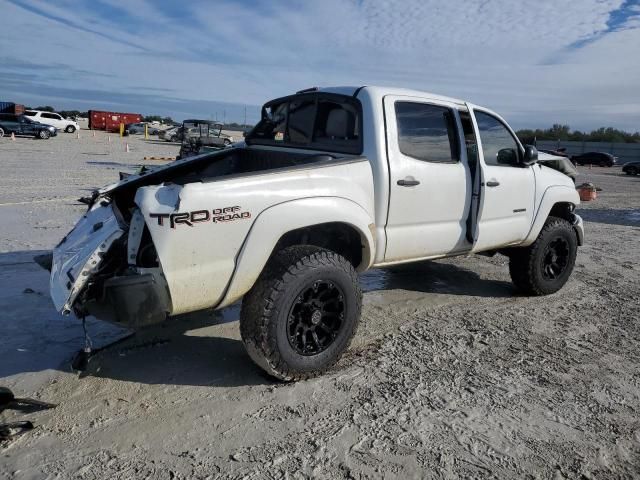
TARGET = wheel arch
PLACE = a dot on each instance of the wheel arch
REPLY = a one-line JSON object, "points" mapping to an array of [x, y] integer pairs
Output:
{"points": [[557, 201], [335, 223]]}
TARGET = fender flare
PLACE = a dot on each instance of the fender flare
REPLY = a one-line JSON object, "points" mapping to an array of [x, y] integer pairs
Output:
{"points": [[552, 195], [272, 223]]}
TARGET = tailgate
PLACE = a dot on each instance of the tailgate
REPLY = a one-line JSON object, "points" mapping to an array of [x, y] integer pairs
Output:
{"points": [[80, 254]]}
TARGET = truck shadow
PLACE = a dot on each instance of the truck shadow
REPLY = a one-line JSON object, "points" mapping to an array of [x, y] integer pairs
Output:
{"points": [[187, 350], [202, 348], [434, 277]]}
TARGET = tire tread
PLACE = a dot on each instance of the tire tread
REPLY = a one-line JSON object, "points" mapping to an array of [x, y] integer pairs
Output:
{"points": [[258, 306]]}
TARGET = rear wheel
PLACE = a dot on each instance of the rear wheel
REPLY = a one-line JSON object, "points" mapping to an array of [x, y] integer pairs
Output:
{"points": [[70, 129], [630, 170], [227, 142], [1, 133], [44, 134], [546, 265], [302, 313]]}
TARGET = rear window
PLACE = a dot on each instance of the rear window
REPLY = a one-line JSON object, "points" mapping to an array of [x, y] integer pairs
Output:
{"points": [[321, 121]]}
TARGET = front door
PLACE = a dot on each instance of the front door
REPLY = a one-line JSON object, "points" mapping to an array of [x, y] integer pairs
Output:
{"points": [[507, 186], [429, 191], [26, 126]]}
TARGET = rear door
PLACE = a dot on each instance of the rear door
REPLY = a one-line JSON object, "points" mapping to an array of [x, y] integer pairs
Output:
{"points": [[429, 192], [52, 119], [507, 186]]}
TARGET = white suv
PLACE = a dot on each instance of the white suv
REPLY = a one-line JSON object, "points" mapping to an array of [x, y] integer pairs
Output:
{"points": [[53, 119]]}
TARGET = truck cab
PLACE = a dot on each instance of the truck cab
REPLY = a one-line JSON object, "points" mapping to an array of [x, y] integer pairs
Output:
{"points": [[329, 183]]}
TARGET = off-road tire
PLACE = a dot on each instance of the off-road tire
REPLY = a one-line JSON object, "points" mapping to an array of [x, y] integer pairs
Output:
{"points": [[526, 265], [70, 129], [1, 133], [267, 308], [44, 134]]}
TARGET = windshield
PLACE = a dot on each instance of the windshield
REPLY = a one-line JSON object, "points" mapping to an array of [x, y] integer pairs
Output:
{"points": [[321, 121]]}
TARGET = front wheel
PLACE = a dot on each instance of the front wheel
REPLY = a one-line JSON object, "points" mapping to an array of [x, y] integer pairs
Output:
{"points": [[44, 134], [1, 133], [546, 265], [301, 314], [70, 129], [630, 170], [227, 142]]}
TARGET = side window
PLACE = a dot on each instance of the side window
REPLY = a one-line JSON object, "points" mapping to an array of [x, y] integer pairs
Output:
{"points": [[498, 145], [50, 115], [426, 132], [30, 114]]}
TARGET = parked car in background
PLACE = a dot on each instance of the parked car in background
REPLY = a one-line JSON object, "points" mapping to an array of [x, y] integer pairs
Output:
{"points": [[631, 168], [133, 128], [595, 158], [172, 134], [200, 136], [22, 125], [53, 119]]}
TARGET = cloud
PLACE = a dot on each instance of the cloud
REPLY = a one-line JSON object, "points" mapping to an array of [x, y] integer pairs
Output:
{"points": [[535, 62]]}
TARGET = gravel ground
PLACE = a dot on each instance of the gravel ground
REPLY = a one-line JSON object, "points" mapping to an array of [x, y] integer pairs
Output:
{"points": [[451, 373]]}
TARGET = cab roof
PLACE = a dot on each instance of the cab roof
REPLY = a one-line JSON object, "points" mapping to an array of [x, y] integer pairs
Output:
{"points": [[379, 92]]}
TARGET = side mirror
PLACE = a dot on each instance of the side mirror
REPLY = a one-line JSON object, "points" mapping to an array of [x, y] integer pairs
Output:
{"points": [[507, 156], [530, 155]]}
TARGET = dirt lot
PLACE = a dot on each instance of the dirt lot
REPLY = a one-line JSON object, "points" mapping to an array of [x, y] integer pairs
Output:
{"points": [[451, 374]]}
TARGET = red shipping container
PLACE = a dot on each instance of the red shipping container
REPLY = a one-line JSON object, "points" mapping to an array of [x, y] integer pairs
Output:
{"points": [[110, 121]]}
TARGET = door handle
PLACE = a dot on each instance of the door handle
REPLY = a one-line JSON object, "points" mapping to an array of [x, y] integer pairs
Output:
{"points": [[492, 183], [408, 182]]}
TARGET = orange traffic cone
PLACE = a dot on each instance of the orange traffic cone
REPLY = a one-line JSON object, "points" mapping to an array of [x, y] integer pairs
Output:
{"points": [[13, 136]]}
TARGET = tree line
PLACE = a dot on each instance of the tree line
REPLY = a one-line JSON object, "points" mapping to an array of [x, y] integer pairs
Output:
{"points": [[564, 132]]}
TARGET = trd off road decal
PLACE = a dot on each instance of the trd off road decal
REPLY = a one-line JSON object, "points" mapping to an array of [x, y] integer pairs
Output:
{"points": [[226, 214]]}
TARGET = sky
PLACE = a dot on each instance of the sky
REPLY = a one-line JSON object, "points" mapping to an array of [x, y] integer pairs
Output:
{"points": [[574, 62]]}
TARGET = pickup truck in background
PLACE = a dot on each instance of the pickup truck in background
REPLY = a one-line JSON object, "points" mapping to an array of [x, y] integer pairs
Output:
{"points": [[329, 183]]}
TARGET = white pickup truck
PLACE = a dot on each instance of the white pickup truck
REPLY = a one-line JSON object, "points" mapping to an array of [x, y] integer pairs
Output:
{"points": [[329, 183]]}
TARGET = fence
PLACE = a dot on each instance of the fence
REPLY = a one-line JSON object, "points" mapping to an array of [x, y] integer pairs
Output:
{"points": [[626, 152]]}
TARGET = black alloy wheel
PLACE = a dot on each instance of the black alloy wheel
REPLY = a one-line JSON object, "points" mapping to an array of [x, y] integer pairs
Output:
{"points": [[316, 317], [555, 258]]}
